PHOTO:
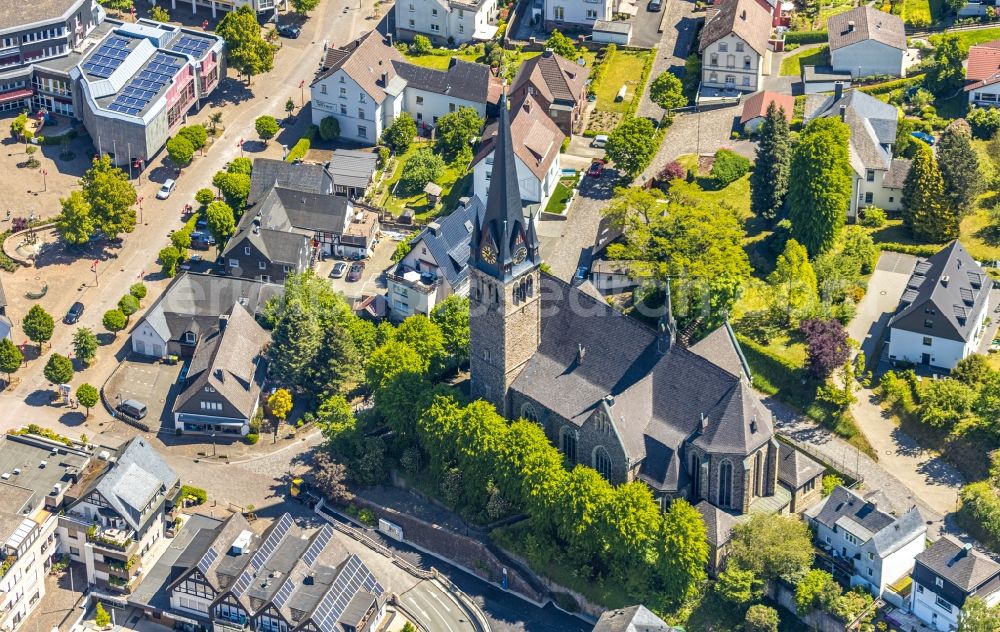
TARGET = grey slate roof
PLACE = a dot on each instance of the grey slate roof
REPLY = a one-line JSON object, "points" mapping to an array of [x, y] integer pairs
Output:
{"points": [[862, 517], [866, 23], [462, 80], [909, 526], [314, 212], [747, 19], [658, 398], [718, 524], [448, 242], [898, 171], [137, 476], [193, 302], [632, 619], [556, 78], [949, 290], [966, 569], [230, 362], [268, 172], [873, 128], [352, 168], [795, 468], [271, 232]]}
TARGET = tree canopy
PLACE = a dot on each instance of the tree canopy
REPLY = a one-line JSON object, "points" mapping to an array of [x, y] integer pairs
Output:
{"points": [[58, 369], [632, 145], [111, 197], [267, 127], [455, 131], [945, 74], [927, 209], [399, 135], [667, 92], [246, 49], [561, 45], [959, 166], [820, 193], [421, 167], [772, 546], [769, 179], [38, 325], [221, 222], [74, 223], [180, 150]]}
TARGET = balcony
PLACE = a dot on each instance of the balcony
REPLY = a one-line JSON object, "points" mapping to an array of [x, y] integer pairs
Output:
{"points": [[423, 282]]}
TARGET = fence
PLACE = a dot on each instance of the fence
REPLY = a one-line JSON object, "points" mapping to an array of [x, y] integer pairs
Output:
{"points": [[852, 473], [940, 28]]}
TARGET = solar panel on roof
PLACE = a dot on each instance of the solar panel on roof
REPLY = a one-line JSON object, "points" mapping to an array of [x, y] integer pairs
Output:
{"points": [[284, 592], [354, 577], [264, 553], [207, 559], [318, 544]]}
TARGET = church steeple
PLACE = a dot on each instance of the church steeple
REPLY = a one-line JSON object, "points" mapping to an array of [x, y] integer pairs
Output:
{"points": [[504, 244]]}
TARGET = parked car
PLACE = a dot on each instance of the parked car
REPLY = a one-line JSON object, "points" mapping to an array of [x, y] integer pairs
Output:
{"points": [[596, 169], [600, 140], [74, 313], [924, 136], [133, 408], [201, 240], [580, 276], [165, 190], [355, 272], [338, 271], [290, 31], [655, 5]]}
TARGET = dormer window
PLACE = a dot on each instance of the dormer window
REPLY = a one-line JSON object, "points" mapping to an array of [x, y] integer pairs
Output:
{"points": [[190, 338]]}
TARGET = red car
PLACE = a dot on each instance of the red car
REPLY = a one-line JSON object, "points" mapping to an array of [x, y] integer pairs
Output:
{"points": [[596, 168], [354, 274]]}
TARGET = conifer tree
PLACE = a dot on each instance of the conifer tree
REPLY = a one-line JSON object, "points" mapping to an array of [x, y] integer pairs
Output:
{"points": [[930, 213], [294, 344], [959, 166], [820, 193], [769, 180]]}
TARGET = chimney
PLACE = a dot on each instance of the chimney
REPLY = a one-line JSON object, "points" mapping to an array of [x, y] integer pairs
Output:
{"points": [[610, 399], [385, 79], [850, 26], [452, 61], [527, 105], [667, 326], [547, 53], [223, 321], [704, 422], [944, 280], [434, 227], [838, 90], [389, 36], [743, 15], [843, 112]]}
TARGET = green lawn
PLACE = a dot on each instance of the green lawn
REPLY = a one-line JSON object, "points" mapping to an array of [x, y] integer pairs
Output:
{"points": [[917, 12], [439, 58], [560, 197], [736, 195], [828, 12], [792, 65], [971, 38], [625, 67], [454, 184]]}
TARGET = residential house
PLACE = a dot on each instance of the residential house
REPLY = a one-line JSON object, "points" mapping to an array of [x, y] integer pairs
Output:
{"points": [[222, 387], [537, 140], [878, 178], [352, 172], [633, 402], [268, 173], [734, 46], [866, 41], [632, 619], [226, 577], [719, 531], [367, 83], [876, 547], [946, 575], [942, 314], [118, 514], [558, 84], [436, 265], [578, 15], [447, 22], [266, 246], [982, 74], [35, 471], [188, 312], [756, 105], [801, 476]]}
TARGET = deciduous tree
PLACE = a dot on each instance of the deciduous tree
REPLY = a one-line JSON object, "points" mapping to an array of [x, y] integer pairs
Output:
{"points": [[329, 477], [11, 358], [633, 207], [452, 318], [267, 127], [820, 193], [221, 222], [772, 546], [631, 145], [561, 45], [38, 325], [75, 224], [159, 14], [728, 167], [455, 132], [111, 197], [769, 179], [58, 369], [793, 280], [246, 50], [87, 396], [422, 167], [816, 591], [85, 344], [336, 420], [169, 257], [945, 74], [667, 92], [826, 345], [114, 321], [400, 134], [761, 618], [977, 616], [128, 305], [280, 403]]}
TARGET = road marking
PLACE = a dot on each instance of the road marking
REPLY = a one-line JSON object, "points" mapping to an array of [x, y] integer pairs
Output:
{"points": [[444, 619], [438, 599], [417, 606]]}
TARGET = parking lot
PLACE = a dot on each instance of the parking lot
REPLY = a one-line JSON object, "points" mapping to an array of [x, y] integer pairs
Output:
{"points": [[151, 383], [372, 281]]}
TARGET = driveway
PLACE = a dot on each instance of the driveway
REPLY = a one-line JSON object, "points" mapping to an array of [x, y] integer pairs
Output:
{"points": [[371, 281], [699, 133], [673, 45], [885, 288], [152, 383]]}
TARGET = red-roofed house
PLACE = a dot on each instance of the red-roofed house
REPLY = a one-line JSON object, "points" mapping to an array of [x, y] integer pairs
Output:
{"points": [[982, 76], [755, 108]]}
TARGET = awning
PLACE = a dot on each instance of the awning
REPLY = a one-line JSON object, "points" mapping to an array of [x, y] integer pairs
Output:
{"points": [[16, 95]]}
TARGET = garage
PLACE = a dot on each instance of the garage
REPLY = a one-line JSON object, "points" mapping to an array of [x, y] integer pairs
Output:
{"points": [[607, 32]]}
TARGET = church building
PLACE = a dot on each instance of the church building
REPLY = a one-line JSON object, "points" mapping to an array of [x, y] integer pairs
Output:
{"points": [[632, 402]]}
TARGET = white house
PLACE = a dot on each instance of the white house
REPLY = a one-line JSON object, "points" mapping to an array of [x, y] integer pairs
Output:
{"points": [[366, 84], [879, 547], [947, 574], [982, 74], [878, 178], [578, 15], [450, 22], [942, 314], [865, 41], [537, 140], [436, 266], [734, 46]]}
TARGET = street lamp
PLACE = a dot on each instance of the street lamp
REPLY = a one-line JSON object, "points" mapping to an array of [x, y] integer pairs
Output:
{"points": [[213, 444], [45, 187], [140, 210]]}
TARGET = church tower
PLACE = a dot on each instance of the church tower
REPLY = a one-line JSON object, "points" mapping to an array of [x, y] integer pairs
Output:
{"points": [[504, 291]]}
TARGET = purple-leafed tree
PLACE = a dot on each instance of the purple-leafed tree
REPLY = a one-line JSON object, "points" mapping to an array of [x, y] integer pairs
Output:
{"points": [[826, 343]]}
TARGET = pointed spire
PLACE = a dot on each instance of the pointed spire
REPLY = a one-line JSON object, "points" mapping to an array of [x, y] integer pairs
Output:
{"points": [[668, 326], [504, 230]]}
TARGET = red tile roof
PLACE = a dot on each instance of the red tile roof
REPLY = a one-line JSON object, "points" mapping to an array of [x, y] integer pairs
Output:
{"points": [[984, 65], [757, 104]]}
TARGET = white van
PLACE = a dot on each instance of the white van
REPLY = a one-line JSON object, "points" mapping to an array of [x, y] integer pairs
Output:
{"points": [[600, 141], [165, 190]]}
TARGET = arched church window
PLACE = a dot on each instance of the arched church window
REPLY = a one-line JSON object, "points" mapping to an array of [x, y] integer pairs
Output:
{"points": [[567, 443], [602, 423], [528, 412], [602, 462], [696, 476], [725, 484]]}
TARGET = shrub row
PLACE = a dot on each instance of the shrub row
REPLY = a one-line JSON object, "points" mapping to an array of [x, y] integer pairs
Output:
{"points": [[200, 495], [806, 37], [643, 78], [918, 250], [896, 84], [301, 148]]}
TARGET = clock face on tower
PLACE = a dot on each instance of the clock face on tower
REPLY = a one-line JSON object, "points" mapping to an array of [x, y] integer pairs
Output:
{"points": [[520, 254], [489, 253]]}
